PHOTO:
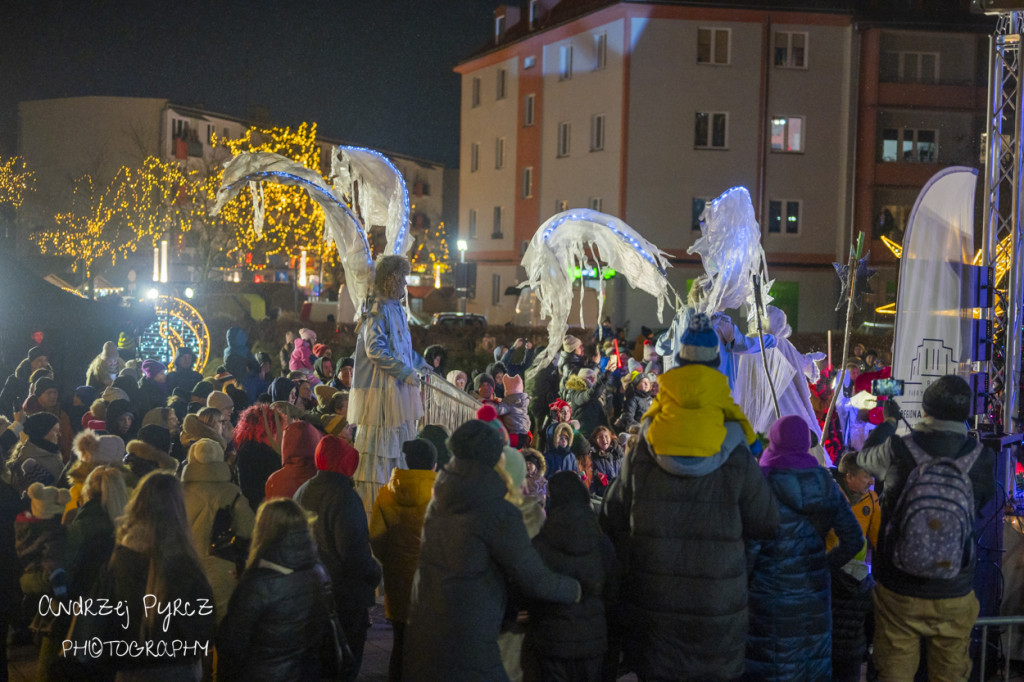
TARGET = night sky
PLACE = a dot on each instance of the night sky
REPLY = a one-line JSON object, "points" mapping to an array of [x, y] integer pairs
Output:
{"points": [[377, 72]]}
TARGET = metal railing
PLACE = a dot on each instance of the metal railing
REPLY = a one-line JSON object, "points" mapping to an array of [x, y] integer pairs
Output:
{"points": [[996, 621]]}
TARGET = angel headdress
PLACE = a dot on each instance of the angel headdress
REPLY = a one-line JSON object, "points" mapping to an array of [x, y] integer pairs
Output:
{"points": [[561, 246], [382, 197]]}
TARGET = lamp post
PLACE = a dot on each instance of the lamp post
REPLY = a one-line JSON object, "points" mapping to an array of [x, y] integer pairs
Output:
{"points": [[462, 250], [463, 292]]}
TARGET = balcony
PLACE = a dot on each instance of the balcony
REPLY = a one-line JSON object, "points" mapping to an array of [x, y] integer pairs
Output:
{"points": [[902, 174], [961, 97]]}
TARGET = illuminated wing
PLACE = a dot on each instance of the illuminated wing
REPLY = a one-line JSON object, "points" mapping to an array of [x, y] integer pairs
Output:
{"points": [[730, 248], [343, 227], [383, 196], [560, 248]]}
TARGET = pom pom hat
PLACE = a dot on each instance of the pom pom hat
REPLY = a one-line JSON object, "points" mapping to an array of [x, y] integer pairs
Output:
{"points": [[699, 343]]}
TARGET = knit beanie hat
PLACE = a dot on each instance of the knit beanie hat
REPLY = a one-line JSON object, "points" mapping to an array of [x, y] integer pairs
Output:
{"points": [[205, 451], [263, 358], [47, 501], [307, 335], [43, 385], [157, 436], [111, 393], [96, 425], [419, 453], [125, 342], [513, 384], [281, 389], [488, 415], [333, 424], [132, 373], [35, 352], [948, 398], [153, 368], [85, 394], [481, 379], [515, 465], [39, 424], [324, 393], [202, 389], [34, 472], [109, 351], [570, 343], [93, 448], [477, 441], [699, 343], [789, 445], [437, 435], [320, 350], [347, 362], [565, 488], [220, 400], [337, 455]]}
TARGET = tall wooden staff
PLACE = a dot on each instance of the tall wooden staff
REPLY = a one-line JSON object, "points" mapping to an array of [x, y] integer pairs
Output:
{"points": [[764, 351], [851, 273]]}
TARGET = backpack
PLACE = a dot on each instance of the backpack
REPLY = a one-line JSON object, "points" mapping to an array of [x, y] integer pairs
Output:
{"points": [[931, 531]]}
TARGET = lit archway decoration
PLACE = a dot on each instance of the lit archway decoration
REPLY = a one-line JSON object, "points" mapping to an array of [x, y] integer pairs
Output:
{"points": [[177, 324]]}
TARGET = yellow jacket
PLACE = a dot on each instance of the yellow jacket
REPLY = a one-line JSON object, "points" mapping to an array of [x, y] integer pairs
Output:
{"points": [[396, 525], [689, 412]]}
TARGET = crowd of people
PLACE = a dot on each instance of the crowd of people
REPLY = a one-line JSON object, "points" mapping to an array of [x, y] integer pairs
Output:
{"points": [[600, 515]]}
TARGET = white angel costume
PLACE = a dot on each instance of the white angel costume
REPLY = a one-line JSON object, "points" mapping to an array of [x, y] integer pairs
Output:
{"points": [[732, 344]]}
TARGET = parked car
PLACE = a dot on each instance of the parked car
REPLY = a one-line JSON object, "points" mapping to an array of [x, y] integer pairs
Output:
{"points": [[458, 320]]}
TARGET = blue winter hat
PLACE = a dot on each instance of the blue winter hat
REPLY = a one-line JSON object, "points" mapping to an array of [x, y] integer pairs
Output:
{"points": [[699, 343]]}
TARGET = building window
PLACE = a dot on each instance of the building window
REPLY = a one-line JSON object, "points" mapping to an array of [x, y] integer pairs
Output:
{"points": [[528, 182], [528, 62], [595, 203], [783, 212], [565, 62], [472, 223], [697, 210], [495, 289], [597, 132], [533, 12], [496, 234], [499, 153], [502, 83], [790, 50], [475, 94], [499, 28], [561, 205], [563, 138], [917, 67], [788, 134], [474, 157], [600, 51], [713, 45], [910, 145], [711, 130], [528, 104]]}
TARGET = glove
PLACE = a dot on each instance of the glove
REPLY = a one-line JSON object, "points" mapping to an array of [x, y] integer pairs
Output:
{"points": [[412, 379], [769, 342], [818, 356], [891, 410]]}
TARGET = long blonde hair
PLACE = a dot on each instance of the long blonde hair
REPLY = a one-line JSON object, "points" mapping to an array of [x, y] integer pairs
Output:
{"points": [[275, 519], [106, 484]]}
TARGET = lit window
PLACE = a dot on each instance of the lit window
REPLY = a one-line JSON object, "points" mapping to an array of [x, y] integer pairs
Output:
{"points": [[528, 182], [788, 134], [563, 138], [496, 234], [475, 93], [710, 130], [528, 105], [713, 45], [502, 83], [565, 62], [783, 216], [790, 50], [600, 51], [499, 153], [474, 157], [597, 132], [472, 223], [910, 145]]}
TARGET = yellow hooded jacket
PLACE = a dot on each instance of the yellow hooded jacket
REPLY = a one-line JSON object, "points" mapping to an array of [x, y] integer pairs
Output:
{"points": [[689, 412]]}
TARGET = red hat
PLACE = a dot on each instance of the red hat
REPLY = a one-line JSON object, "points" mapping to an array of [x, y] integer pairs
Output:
{"points": [[489, 416], [559, 404], [335, 454], [320, 350]]}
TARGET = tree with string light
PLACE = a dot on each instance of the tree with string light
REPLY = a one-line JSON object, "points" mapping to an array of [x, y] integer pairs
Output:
{"points": [[15, 181]]}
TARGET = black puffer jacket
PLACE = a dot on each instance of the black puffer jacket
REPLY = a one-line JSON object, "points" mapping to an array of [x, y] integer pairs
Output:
{"points": [[678, 525], [473, 541], [255, 462], [277, 617], [343, 538], [585, 401], [571, 543], [637, 402]]}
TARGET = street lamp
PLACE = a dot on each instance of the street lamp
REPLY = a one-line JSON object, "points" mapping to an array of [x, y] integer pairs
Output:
{"points": [[462, 249]]}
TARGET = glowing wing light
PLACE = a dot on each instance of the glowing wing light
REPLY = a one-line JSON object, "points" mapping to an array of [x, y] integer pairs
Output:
{"points": [[559, 247], [343, 226], [730, 248], [382, 193]]}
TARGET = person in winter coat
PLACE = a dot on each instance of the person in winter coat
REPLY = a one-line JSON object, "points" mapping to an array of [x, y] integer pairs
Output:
{"points": [[908, 607], [206, 483], [104, 368], [206, 423], [514, 413], [149, 452], [154, 555], [17, 386], [258, 436], [342, 538], [583, 392], [279, 613], [238, 359], [474, 541], [283, 390], [571, 359], [92, 450], [120, 420], [518, 368], [687, 498], [606, 456], [301, 359], [535, 484], [438, 435], [46, 398], [39, 451], [182, 372], [637, 401], [497, 371], [570, 641], [396, 526], [483, 388], [298, 449], [541, 385], [323, 370], [284, 355], [153, 389], [40, 537], [560, 456], [90, 536], [436, 358], [790, 614]]}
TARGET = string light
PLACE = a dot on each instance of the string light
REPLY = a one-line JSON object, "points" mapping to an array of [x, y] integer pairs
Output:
{"points": [[432, 253], [177, 325], [15, 181]]}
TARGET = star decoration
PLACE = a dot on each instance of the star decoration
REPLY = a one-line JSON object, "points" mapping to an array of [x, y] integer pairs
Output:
{"points": [[860, 281]]}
